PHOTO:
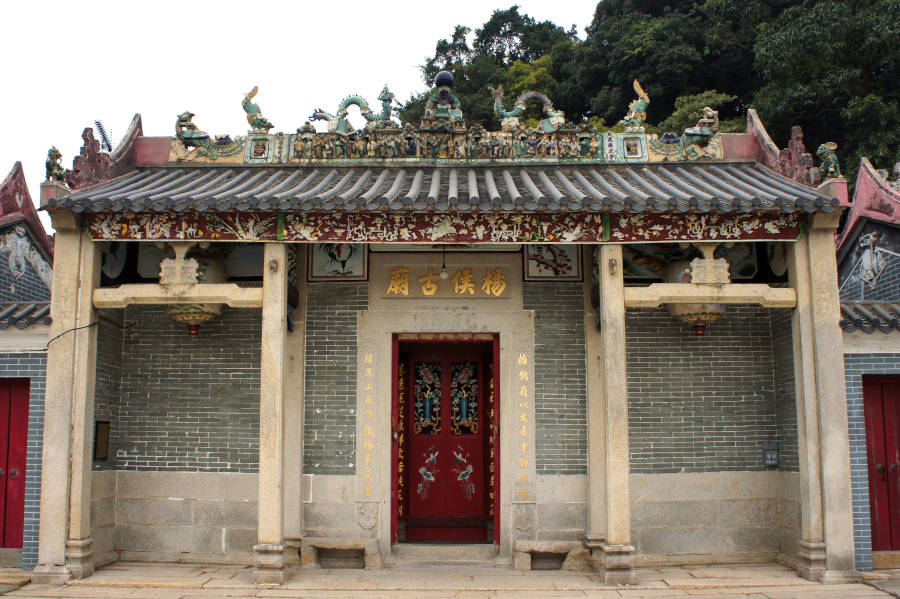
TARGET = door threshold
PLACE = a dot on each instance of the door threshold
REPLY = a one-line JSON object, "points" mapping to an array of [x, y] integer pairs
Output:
{"points": [[885, 560]]}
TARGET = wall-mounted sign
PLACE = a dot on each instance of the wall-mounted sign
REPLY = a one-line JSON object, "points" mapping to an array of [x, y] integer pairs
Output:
{"points": [[465, 282]]}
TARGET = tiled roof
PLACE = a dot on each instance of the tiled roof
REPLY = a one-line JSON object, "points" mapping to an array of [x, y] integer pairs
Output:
{"points": [[23, 316], [870, 316], [663, 187]]}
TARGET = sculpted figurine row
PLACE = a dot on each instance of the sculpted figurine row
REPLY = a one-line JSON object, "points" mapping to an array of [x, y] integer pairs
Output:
{"points": [[474, 144]]}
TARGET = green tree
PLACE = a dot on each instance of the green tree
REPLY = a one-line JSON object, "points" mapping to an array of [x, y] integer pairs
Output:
{"points": [[833, 68], [508, 38]]}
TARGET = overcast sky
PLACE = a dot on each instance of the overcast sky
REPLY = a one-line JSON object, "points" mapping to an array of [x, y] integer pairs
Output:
{"points": [[67, 63]]}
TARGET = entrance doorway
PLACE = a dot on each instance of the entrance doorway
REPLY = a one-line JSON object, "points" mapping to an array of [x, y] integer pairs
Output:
{"points": [[881, 400], [13, 442], [446, 441]]}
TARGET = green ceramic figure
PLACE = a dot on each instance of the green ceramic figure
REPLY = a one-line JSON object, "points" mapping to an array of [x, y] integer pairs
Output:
{"points": [[257, 121], [829, 166], [637, 110], [55, 171]]}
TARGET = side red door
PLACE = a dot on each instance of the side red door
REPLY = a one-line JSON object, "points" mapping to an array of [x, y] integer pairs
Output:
{"points": [[13, 443], [447, 432], [881, 401]]}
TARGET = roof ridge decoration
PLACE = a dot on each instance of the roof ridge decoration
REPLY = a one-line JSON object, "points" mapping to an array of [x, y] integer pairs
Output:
{"points": [[875, 198], [443, 137], [794, 161], [16, 207], [93, 165]]}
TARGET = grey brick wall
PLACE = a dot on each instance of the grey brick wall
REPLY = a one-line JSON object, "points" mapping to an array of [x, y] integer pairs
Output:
{"points": [[855, 367], [184, 403], [330, 405], [26, 288], [108, 385], [560, 398], [699, 404], [785, 390], [30, 366]]}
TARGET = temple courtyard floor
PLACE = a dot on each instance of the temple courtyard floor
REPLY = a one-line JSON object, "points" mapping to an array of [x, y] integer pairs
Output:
{"points": [[191, 581]]}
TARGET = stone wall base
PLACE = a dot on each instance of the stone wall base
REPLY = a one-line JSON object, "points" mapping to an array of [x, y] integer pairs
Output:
{"points": [[55, 575]]}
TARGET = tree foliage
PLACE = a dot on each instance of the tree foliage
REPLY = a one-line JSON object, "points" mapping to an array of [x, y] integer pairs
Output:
{"points": [[831, 66]]}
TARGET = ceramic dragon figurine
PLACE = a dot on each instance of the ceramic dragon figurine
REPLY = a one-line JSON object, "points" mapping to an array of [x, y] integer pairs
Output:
{"points": [[509, 119], [191, 137], [637, 110], [338, 123]]}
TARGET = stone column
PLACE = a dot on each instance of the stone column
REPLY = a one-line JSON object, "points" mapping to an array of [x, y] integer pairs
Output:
{"points": [[826, 546], [64, 539], [295, 356], [616, 552], [270, 541], [595, 533]]}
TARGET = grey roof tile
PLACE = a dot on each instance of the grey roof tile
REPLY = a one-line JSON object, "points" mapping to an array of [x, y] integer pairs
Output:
{"points": [[870, 316], [22, 316], [663, 187]]}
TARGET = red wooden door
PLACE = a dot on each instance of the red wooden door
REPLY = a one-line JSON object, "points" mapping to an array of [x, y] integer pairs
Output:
{"points": [[881, 401], [447, 435], [13, 442]]}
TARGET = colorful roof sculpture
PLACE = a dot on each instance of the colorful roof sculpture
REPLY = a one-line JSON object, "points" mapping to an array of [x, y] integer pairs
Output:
{"points": [[376, 183]]}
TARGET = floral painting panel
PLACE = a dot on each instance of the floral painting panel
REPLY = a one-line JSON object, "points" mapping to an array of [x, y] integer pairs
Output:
{"points": [[545, 262]]}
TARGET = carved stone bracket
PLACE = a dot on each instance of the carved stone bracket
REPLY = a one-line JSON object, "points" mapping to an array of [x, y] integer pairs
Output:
{"points": [[179, 270], [709, 270]]}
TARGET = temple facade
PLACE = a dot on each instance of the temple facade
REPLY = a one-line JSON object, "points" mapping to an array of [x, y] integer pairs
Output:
{"points": [[544, 345]]}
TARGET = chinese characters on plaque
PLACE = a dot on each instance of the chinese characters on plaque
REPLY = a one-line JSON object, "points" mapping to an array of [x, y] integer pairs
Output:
{"points": [[466, 282], [368, 424], [522, 419]]}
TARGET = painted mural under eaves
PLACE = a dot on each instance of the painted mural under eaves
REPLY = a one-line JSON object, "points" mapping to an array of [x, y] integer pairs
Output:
{"points": [[871, 270], [443, 135]]}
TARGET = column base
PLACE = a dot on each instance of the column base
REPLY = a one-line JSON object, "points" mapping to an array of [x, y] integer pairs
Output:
{"points": [[51, 574], [617, 563], [841, 576], [269, 563], [80, 557], [811, 560]]}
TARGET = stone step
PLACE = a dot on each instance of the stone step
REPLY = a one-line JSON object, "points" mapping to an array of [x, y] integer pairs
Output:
{"points": [[445, 553]]}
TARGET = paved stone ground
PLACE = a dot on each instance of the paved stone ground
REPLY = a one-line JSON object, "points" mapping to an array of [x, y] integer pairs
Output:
{"points": [[185, 581], [885, 580]]}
